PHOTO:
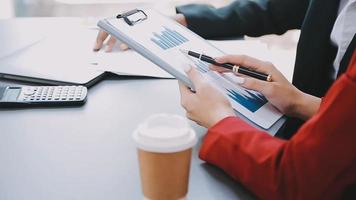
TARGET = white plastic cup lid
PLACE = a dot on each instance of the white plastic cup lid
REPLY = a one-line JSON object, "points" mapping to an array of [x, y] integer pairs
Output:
{"points": [[165, 133]]}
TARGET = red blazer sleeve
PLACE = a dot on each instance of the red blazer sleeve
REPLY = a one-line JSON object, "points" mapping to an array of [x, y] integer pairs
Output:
{"points": [[319, 162]]}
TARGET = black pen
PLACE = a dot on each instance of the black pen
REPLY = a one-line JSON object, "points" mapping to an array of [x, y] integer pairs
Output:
{"points": [[234, 68]]}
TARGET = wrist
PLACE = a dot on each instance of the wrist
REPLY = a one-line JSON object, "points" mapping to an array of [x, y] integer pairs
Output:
{"points": [[217, 117], [306, 106]]}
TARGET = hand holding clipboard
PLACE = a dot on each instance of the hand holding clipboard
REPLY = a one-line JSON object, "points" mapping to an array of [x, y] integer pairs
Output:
{"points": [[159, 39], [112, 41]]}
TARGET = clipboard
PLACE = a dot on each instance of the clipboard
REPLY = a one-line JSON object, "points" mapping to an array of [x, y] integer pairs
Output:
{"points": [[160, 39]]}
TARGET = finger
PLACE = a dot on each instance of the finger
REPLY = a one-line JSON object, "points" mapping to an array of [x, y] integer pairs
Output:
{"points": [[184, 90], [185, 95], [257, 85], [218, 69], [196, 78], [123, 46], [247, 61], [100, 40], [111, 44]]}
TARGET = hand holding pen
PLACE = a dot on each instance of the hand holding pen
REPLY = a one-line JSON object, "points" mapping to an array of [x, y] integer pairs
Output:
{"points": [[279, 92], [233, 67]]}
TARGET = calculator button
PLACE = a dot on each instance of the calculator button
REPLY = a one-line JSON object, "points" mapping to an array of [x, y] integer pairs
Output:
{"points": [[29, 92]]}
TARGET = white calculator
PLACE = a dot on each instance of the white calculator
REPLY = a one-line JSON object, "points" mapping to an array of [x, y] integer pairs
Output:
{"points": [[12, 96]]}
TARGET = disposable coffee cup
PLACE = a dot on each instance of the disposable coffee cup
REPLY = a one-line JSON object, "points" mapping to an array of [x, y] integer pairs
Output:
{"points": [[164, 145]]}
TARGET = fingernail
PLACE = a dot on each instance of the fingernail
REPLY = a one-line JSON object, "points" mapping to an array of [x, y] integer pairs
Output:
{"points": [[96, 47], [219, 60], [186, 67], [123, 47]]}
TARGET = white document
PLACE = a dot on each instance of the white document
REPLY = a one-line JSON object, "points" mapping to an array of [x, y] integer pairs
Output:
{"points": [[73, 49], [123, 63], [55, 55], [127, 63], [160, 39], [24, 40]]}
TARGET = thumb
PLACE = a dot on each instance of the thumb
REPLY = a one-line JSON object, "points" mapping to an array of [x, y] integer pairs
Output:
{"points": [[257, 85], [195, 76], [184, 90]]}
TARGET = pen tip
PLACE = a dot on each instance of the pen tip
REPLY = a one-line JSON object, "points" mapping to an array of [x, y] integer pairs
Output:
{"points": [[183, 51]]}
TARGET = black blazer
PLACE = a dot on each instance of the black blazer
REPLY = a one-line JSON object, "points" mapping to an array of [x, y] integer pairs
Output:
{"points": [[315, 53]]}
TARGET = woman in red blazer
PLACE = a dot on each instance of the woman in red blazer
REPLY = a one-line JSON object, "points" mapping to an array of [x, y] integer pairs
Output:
{"points": [[319, 162]]}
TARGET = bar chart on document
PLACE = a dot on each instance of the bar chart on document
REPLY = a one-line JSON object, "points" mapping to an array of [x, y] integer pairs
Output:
{"points": [[168, 39]]}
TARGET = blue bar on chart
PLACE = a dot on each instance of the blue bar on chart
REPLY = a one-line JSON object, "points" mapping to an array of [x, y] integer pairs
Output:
{"points": [[168, 38], [251, 101], [203, 67]]}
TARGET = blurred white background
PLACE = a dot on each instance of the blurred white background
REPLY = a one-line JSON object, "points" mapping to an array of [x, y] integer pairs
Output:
{"points": [[87, 8]]}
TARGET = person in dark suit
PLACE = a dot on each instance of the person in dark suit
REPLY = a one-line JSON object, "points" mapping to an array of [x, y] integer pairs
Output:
{"points": [[317, 54]]}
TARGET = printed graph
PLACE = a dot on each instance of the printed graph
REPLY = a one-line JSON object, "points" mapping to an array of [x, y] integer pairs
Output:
{"points": [[168, 38], [251, 101], [203, 67]]}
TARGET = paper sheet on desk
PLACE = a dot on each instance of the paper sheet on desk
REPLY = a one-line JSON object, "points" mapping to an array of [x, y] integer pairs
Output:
{"points": [[54, 55], [127, 63], [73, 50], [23, 41], [124, 63]]}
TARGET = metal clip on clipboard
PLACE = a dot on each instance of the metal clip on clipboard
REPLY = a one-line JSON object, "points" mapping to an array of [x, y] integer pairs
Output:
{"points": [[133, 17]]}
